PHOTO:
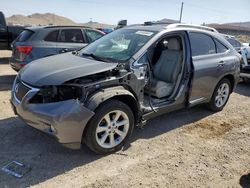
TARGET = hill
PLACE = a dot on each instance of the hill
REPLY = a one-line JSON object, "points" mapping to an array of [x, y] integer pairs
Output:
{"points": [[240, 24], [53, 19], [39, 19], [50, 19]]}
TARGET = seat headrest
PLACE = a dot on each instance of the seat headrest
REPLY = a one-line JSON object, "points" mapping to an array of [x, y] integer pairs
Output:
{"points": [[174, 44]]}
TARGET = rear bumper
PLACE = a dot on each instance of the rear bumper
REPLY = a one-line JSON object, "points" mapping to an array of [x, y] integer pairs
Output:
{"points": [[16, 65], [64, 120], [245, 72]]}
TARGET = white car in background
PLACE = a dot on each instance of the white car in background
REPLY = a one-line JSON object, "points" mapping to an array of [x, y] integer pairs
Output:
{"points": [[244, 50]]}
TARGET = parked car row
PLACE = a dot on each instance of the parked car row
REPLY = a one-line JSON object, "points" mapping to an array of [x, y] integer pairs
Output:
{"points": [[98, 94]]}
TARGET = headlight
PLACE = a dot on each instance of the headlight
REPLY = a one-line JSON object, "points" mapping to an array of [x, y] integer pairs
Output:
{"points": [[57, 93]]}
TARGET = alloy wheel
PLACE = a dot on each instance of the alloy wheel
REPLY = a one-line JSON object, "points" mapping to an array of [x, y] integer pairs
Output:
{"points": [[112, 129], [222, 95]]}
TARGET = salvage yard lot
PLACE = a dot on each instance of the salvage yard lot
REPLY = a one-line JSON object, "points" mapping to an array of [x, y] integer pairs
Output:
{"points": [[188, 148]]}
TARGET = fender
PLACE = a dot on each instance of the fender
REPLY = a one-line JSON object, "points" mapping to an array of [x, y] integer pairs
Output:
{"points": [[99, 97]]}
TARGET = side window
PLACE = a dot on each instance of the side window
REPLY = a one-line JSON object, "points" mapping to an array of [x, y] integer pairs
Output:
{"points": [[142, 60], [24, 36], [71, 36], [92, 35], [202, 44], [221, 48], [52, 36], [234, 43]]}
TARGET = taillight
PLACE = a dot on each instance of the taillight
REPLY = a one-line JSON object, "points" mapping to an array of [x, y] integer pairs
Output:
{"points": [[24, 49]]}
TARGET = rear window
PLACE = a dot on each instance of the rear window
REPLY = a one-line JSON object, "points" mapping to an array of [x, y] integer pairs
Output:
{"points": [[25, 35], [202, 44], [52, 36], [221, 48]]}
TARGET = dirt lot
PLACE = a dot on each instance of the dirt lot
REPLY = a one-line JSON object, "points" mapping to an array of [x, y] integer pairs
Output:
{"points": [[188, 148]]}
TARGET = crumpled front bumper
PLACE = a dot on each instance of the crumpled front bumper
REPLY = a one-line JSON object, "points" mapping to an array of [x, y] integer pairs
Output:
{"points": [[64, 120]]}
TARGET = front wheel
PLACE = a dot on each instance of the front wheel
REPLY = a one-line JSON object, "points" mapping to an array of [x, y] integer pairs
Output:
{"points": [[220, 96], [110, 127]]}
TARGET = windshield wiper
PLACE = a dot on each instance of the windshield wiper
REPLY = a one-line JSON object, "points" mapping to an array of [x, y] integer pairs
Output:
{"points": [[98, 58]]}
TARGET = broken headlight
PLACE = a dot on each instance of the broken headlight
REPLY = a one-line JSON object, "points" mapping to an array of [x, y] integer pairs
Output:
{"points": [[57, 93]]}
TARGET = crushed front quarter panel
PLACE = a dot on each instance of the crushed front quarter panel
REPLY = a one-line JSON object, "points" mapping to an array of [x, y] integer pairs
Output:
{"points": [[68, 118]]}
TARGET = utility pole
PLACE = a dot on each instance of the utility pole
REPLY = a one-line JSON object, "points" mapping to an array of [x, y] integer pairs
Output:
{"points": [[181, 12]]}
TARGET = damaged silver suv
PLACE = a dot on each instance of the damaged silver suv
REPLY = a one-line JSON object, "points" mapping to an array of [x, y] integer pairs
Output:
{"points": [[98, 94]]}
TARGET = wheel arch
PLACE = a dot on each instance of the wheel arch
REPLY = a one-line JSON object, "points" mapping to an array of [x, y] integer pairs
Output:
{"points": [[118, 93], [231, 79]]}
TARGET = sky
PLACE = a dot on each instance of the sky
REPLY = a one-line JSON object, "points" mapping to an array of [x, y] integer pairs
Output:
{"points": [[135, 11]]}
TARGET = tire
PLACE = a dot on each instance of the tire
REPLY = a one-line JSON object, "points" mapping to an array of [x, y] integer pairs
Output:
{"points": [[246, 80], [220, 96], [101, 136]]}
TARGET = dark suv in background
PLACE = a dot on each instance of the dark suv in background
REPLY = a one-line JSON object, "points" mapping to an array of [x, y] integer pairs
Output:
{"points": [[37, 42], [8, 33]]}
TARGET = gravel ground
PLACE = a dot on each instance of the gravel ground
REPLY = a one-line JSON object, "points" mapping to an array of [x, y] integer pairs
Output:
{"points": [[188, 148]]}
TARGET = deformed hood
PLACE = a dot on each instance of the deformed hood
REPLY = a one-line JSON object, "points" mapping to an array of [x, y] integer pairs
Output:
{"points": [[55, 70]]}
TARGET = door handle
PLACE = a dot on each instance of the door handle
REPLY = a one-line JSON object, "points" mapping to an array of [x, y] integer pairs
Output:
{"points": [[221, 63]]}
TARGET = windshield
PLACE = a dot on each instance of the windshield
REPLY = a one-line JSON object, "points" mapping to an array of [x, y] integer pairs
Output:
{"points": [[119, 45]]}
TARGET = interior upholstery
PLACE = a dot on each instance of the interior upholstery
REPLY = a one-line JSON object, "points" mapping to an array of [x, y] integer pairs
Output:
{"points": [[166, 70]]}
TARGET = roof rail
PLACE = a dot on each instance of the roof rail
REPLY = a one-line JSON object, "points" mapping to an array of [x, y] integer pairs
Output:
{"points": [[192, 26], [157, 23], [53, 26]]}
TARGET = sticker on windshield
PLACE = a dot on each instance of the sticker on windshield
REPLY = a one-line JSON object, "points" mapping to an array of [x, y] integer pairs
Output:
{"points": [[146, 33]]}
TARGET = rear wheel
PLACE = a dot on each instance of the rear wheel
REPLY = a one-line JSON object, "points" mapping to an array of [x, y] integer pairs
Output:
{"points": [[220, 96], [110, 127]]}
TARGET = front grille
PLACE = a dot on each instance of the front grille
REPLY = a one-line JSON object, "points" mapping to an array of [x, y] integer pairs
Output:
{"points": [[20, 90]]}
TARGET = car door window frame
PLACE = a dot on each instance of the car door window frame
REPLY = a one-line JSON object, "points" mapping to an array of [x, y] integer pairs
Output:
{"points": [[82, 34], [217, 41], [156, 41], [87, 38], [202, 55], [57, 38]]}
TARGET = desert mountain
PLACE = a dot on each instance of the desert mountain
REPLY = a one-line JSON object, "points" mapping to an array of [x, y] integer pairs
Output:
{"points": [[50, 19], [40, 19], [53, 19], [240, 24]]}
